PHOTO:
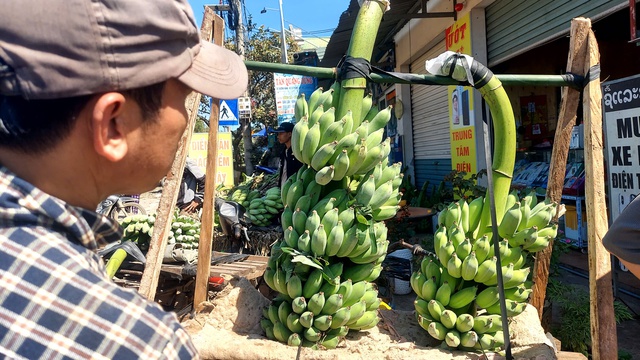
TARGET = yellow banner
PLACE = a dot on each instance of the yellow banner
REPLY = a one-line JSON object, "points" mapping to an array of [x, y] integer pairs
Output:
{"points": [[461, 115], [198, 152]]}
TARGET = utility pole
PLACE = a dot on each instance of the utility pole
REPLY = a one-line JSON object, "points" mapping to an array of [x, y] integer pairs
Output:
{"points": [[245, 122]]}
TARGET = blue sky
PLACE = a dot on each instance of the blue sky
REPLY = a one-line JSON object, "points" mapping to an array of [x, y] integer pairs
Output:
{"points": [[315, 18]]}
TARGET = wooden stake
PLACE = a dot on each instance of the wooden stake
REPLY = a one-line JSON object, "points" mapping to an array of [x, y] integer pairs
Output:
{"points": [[557, 168], [604, 343], [170, 189], [208, 210]]}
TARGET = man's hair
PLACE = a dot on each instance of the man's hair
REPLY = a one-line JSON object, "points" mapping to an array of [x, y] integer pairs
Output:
{"points": [[35, 126]]}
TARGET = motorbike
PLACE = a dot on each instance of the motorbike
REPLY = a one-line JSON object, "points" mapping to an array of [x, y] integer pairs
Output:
{"points": [[118, 207], [233, 224]]}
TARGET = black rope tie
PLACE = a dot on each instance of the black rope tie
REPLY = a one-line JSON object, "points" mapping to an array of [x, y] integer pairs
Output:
{"points": [[351, 68]]}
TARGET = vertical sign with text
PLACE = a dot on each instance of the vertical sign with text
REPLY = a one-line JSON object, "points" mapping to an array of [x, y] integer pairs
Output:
{"points": [[287, 88], [621, 109], [199, 149], [461, 115]]}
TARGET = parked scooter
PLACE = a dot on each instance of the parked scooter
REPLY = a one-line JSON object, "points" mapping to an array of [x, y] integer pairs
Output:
{"points": [[233, 224], [118, 207]]}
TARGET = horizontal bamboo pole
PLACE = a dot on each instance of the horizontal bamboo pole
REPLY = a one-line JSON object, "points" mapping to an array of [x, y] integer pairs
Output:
{"points": [[416, 79]]}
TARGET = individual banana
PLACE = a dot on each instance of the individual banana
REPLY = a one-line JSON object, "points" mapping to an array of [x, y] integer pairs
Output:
{"points": [[315, 115], [366, 191], [298, 219], [452, 339], [281, 332], [448, 319], [310, 145], [367, 102], [294, 340], [313, 284], [299, 305], [486, 270], [316, 303], [463, 297], [301, 109], [435, 309], [332, 133], [326, 119], [306, 319], [464, 323], [464, 248], [464, 215], [510, 221], [525, 236], [443, 294], [468, 339], [381, 194], [298, 136], [314, 99], [304, 242], [293, 323], [519, 293], [341, 165], [487, 297], [454, 266], [518, 277], [540, 243], [323, 155], [481, 247], [319, 241], [469, 267], [430, 288], [380, 120], [437, 330], [325, 175], [335, 239], [294, 287]]}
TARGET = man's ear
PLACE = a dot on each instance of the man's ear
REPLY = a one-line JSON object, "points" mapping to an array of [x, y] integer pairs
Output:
{"points": [[108, 126]]}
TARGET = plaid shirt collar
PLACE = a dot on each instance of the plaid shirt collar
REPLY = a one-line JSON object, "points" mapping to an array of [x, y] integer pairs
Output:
{"points": [[23, 204]]}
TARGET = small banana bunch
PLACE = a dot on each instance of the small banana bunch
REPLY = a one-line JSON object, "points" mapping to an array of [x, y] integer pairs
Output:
{"points": [[337, 148], [460, 286], [244, 196], [315, 312], [138, 228], [262, 210]]}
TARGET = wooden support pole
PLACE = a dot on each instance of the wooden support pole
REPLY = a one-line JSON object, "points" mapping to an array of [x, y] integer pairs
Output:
{"points": [[162, 226], [603, 323], [580, 28], [208, 210]]}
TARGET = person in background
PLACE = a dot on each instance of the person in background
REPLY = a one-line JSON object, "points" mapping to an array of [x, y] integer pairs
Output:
{"points": [[92, 103], [289, 165], [191, 194], [623, 237]]}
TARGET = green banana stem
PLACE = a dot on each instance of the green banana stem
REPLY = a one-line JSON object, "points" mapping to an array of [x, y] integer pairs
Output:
{"points": [[504, 147], [115, 261], [361, 46]]}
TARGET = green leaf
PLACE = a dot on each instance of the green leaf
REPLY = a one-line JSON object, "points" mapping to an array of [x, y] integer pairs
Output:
{"points": [[303, 259]]}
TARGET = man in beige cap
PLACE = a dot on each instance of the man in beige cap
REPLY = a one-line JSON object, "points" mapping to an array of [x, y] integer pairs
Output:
{"points": [[92, 97]]}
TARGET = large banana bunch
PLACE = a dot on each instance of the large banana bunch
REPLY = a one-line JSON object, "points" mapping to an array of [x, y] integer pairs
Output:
{"points": [[263, 210], [334, 238], [457, 294]]}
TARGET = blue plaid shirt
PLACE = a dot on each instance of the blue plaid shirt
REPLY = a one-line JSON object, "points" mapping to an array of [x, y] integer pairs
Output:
{"points": [[56, 301]]}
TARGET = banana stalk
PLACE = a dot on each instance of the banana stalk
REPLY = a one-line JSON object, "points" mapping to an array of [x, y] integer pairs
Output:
{"points": [[361, 46], [504, 149]]}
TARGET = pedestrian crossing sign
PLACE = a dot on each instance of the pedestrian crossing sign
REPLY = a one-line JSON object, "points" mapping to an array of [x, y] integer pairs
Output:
{"points": [[228, 113]]}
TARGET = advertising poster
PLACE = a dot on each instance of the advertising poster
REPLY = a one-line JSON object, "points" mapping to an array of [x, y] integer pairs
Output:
{"points": [[198, 152], [621, 109], [461, 115], [287, 88]]}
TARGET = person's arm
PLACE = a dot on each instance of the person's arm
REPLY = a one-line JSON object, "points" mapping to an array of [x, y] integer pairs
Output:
{"points": [[623, 237]]}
